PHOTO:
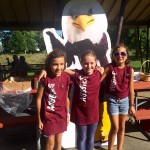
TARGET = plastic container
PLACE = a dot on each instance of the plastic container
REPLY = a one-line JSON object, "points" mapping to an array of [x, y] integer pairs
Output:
{"points": [[36, 83]]}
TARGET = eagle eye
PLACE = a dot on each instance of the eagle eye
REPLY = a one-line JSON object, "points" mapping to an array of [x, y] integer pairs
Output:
{"points": [[74, 17], [90, 12]]}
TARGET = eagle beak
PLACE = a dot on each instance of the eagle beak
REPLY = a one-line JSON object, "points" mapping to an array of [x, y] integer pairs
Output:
{"points": [[83, 22]]}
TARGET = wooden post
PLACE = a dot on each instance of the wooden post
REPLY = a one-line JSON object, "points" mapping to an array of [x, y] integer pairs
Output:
{"points": [[121, 16], [147, 50], [139, 44]]}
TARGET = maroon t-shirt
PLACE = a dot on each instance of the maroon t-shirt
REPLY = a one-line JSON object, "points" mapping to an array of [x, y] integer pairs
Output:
{"points": [[85, 105], [117, 81], [53, 106]]}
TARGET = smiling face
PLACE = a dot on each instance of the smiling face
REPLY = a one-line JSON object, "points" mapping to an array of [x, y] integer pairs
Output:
{"points": [[88, 64], [57, 66], [120, 56]]}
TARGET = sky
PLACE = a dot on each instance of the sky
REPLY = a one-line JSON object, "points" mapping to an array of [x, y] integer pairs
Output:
{"points": [[59, 32]]}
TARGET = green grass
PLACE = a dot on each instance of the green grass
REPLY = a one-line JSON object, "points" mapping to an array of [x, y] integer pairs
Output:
{"points": [[39, 58], [36, 58], [136, 65]]}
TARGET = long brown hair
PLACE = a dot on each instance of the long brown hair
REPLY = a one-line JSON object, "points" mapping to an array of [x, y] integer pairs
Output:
{"points": [[51, 56]]}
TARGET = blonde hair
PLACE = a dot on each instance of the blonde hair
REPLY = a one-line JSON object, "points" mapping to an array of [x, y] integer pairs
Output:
{"points": [[87, 53]]}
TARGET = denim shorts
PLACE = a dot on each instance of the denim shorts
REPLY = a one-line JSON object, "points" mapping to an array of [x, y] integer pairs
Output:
{"points": [[116, 106]]}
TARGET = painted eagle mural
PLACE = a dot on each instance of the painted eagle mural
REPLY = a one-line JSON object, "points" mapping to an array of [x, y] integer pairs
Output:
{"points": [[84, 27]]}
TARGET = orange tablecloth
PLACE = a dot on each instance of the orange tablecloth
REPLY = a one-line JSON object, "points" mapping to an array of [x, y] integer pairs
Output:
{"points": [[141, 86]]}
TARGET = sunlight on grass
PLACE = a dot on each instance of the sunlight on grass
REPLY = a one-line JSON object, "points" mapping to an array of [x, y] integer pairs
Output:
{"points": [[136, 65], [30, 58], [39, 58]]}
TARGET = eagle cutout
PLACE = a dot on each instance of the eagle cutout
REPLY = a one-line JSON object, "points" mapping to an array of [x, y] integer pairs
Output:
{"points": [[84, 27]]}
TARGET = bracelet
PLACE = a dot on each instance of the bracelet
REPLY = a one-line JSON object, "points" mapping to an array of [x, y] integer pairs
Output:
{"points": [[132, 105]]}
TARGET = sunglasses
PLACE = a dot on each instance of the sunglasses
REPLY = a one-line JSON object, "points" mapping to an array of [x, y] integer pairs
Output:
{"points": [[119, 54]]}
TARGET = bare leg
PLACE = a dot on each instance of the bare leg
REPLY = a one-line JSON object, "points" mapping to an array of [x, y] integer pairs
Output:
{"points": [[114, 119], [50, 141], [121, 131], [58, 139]]}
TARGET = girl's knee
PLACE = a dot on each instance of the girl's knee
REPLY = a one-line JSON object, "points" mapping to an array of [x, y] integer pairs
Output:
{"points": [[122, 128], [50, 143], [114, 130], [82, 138], [57, 147], [49, 146]]}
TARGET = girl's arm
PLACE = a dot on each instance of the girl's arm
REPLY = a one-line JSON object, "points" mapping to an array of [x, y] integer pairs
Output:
{"points": [[43, 73], [38, 105], [68, 113], [68, 106], [106, 70], [131, 94], [70, 72], [100, 69]]}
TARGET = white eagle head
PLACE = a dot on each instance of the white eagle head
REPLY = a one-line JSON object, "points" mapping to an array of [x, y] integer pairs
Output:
{"points": [[83, 19]]}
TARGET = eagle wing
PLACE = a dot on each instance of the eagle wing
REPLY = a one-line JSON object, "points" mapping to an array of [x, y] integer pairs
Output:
{"points": [[52, 40]]}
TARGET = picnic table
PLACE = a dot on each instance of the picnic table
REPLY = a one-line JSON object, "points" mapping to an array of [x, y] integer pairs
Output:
{"points": [[6, 69], [142, 114]]}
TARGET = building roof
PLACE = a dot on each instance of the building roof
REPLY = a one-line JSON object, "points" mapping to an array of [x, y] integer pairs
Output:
{"points": [[39, 14]]}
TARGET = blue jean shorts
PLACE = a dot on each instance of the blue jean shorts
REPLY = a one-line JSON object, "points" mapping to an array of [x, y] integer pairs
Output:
{"points": [[116, 106]]}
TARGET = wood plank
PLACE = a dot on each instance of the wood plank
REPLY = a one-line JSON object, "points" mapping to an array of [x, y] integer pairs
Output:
{"points": [[142, 114], [17, 121]]}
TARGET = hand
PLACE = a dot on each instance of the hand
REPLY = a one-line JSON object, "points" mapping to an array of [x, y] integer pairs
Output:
{"points": [[40, 125], [132, 111], [43, 74], [101, 69]]}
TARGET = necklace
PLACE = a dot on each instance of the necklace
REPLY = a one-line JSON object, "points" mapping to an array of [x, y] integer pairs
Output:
{"points": [[58, 82]]}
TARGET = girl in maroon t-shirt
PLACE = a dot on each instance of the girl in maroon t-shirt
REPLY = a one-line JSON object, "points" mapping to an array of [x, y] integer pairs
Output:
{"points": [[52, 99], [119, 94], [85, 104]]}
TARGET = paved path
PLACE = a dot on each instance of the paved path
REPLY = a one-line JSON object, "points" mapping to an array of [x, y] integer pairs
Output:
{"points": [[23, 138], [134, 140]]}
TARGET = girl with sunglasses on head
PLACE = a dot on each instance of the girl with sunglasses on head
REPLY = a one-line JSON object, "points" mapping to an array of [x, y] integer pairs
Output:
{"points": [[52, 98], [119, 94]]}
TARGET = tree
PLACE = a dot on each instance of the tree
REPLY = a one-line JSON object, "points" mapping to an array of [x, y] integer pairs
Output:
{"points": [[17, 42], [4, 37], [135, 41], [129, 36], [30, 38], [40, 41], [22, 41]]}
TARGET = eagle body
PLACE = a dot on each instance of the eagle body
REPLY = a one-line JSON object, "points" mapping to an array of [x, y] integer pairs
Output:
{"points": [[84, 27]]}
